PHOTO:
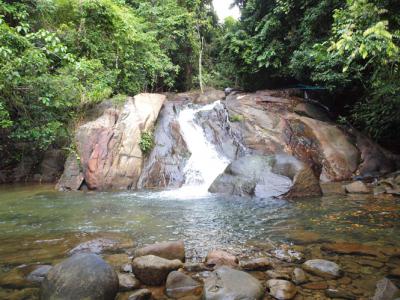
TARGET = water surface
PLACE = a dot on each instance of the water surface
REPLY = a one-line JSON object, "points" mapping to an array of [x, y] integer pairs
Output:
{"points": [[38, 223]]}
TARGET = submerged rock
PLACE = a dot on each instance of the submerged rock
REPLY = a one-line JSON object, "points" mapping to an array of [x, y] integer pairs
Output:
{"points": [[180, 285], [357, 187], [299, 276], [153, 270], [281, 289], [82, 276], [385, 290], [227, 283], [217, 258], [143, 294], [96, 246], [256, 264], [323, 268], [351, 249], [167, 250], [339, 294], [288, 255]]}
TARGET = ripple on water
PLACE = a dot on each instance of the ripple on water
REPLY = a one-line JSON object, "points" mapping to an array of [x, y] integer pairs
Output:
{"points": [[39, 213]]}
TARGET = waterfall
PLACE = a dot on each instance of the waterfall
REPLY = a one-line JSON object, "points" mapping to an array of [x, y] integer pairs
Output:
{"points": [[204, 164]]}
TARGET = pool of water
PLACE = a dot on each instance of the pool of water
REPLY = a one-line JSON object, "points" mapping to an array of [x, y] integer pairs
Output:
{"points": [[38, 224]]}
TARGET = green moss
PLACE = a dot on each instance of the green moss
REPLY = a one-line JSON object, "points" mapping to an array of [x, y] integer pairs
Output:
{"points": [[236, 118]]}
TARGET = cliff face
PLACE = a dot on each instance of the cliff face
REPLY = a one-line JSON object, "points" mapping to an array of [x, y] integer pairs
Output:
{"points": [[108, 147], [264, 123], [273, 122]]}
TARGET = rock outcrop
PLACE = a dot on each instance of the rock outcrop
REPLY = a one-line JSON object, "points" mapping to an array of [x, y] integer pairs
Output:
{"points": [[273, 122], [108, 147], [265, 123], [267, 176]]}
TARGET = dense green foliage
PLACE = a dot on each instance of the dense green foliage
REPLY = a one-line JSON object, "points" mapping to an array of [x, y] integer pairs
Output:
{"points": [[58, 57], [348, 47], [146, 142]]}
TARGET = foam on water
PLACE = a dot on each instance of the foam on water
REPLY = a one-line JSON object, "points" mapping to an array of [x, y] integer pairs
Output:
{"points": [[204, 164]]}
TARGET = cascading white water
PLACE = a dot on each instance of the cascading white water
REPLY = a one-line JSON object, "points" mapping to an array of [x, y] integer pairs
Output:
{"points": [[204, 164]]}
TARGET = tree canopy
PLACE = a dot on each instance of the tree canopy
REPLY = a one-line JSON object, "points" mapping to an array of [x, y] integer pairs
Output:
{"points": [[60, 57], [349, 47]]}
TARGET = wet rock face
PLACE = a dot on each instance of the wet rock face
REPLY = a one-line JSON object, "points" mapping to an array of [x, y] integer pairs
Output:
{"points": [[108, 147], [153, 270], [267, 176], [82, 276], [164, 167], [227, 283], [167, 250]]}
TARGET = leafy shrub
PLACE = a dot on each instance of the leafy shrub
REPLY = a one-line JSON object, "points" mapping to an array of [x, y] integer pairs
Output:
{"points": [[146, 142]]}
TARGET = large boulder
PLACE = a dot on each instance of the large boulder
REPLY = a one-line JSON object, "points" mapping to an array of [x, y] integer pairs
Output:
{"points": [[167, 250], [267, 176], [108, 147], [153, 270], [82, 276], [227, 283]]}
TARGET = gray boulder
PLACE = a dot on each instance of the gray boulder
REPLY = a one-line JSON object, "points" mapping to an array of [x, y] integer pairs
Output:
{"points": [[82, 276], [226, 283], [323, 268], [267, 176], [153, 270]]}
